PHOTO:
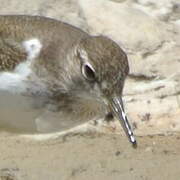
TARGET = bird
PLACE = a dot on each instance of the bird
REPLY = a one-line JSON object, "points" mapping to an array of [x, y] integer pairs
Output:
{"points": [[55, 76]]}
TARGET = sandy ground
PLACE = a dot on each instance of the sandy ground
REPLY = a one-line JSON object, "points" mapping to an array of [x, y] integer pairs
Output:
{"points": [[90, 156]]}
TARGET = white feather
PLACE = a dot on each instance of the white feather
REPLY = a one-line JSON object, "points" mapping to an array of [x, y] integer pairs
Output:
{"points": [[33, 48], [15, 81]]}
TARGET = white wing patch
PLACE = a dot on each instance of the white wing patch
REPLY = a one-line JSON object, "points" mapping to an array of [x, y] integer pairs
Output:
{"points": [[15, 81], [32, 47]]}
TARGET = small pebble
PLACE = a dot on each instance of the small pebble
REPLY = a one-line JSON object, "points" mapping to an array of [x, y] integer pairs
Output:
{"points": [[118, 153], [149, 149]]}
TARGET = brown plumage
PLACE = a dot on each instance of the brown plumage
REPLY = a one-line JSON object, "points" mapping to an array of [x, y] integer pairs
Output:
{"points": [[78, 76]]}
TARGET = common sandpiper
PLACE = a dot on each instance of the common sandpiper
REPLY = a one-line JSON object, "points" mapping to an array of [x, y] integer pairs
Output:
{"points": [[74, 76]]}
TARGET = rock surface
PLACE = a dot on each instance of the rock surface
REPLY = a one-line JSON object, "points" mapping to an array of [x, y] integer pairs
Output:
{"points": [[149, 31]]}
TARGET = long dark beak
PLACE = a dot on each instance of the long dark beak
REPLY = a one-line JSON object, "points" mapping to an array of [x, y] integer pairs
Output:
{"points": [[118, 110]]}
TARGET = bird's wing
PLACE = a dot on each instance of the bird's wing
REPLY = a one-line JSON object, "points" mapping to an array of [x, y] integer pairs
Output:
{"points": [[11, 54]]}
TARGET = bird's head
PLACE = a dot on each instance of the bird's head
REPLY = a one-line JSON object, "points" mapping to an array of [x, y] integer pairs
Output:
{"points": [[92, 77], [103, 67]]}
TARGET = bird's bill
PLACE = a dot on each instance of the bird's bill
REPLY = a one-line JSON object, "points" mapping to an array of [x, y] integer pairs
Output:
{"points": [[118, 110]]}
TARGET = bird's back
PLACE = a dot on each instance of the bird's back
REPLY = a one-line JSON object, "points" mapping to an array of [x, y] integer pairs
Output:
{"points": [[19, 27], [56, 37]]}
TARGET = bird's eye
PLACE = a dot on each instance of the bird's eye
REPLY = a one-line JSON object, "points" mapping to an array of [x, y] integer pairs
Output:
{"points": [[88, 72]]}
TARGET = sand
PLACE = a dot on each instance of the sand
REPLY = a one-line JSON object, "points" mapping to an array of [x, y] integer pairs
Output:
{"points": [[90, 156]]}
